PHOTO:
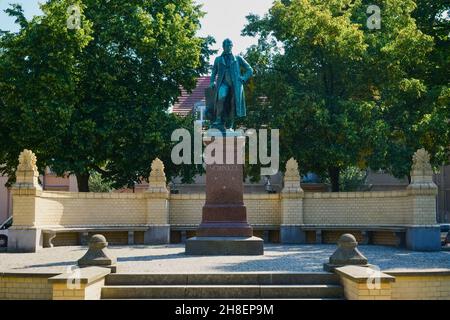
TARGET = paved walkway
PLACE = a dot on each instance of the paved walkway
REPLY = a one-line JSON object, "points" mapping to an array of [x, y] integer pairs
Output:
{"points": [[171, 259]]}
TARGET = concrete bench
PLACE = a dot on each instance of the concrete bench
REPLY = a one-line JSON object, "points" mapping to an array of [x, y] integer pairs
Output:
{"points": [[366, 232], [84, 232], [184, 229]]}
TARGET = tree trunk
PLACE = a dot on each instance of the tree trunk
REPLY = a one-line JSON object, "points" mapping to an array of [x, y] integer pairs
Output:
{"points": [[83, 182], [334, 173]]}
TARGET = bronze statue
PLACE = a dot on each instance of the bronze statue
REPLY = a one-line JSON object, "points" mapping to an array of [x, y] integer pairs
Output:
{"points": [[225, 96]]}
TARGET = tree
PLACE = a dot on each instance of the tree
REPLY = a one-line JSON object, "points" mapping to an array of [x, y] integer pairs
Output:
{"points": [[338, 90], [38, 83], [97, 184], [123, 77], [433, 18]]}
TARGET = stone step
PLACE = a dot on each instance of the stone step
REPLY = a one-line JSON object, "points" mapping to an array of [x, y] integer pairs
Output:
{"points": [[221, 291], [223, 279]]}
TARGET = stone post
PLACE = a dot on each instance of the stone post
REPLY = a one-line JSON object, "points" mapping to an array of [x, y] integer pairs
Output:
{"points": [[24, 235], [292, 205], [347, 254], [157, 206], [98, 255], [423, 234]]}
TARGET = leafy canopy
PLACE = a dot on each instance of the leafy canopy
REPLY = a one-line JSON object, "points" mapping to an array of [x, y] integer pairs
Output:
{"points": [[342, 94], [95, 98]]}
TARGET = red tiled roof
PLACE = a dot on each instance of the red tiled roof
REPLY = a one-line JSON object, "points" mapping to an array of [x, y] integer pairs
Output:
{"points": [[187, 101]]}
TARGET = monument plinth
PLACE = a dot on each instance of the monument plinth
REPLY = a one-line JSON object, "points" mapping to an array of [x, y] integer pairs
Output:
{"points": [[224, 229]]}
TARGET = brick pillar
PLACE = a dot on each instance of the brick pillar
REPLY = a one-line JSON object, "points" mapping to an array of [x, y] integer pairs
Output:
{"points": [[292, 205], [24, 235], [157, 206], [423, 234]]}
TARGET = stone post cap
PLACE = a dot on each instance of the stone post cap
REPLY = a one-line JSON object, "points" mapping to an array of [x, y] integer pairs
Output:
{"points": [[347, 241], [347, 254], [98, 242], [98, 255]]}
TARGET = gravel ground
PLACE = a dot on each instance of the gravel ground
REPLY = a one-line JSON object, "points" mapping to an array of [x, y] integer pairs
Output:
{"points": [[171, 259]]}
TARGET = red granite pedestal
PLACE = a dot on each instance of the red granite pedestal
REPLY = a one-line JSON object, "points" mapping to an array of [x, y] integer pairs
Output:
{"points": [[224, 229]]}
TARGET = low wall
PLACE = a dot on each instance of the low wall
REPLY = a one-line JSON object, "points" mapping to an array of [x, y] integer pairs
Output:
{"points": [[404, 284], [341, 208], [262, 209], [77, 209], [412, 211], [420, 284], [25, 286], [35, 210], [358, 208], [360, 283], [53, 286]]}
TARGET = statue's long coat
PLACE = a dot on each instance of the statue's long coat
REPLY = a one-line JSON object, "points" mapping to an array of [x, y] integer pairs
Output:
{"points": [[219, 70]]}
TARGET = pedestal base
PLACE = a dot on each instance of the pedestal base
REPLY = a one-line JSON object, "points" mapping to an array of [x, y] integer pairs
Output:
{"points": [[219, 246]]}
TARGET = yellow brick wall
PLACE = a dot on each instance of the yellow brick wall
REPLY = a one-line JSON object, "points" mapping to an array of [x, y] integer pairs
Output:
{"points": [[25, 206], [344, 208], [138, 237], [421, 287], [358, 208], [159, 211], [360, 291], [74, 209], [292, 211], [113, 238], [61, 292], [186, 209], [64, 239], [384, 238], [83, 292], [424, 209], [405, 287], [30, 287], [261, 209]]}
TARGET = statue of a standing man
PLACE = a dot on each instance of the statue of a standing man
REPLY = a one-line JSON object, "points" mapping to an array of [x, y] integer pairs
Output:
{"points": [[229, 98]]}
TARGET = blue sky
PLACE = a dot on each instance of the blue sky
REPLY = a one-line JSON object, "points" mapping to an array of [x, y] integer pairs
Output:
{"points": [[224, 19]]}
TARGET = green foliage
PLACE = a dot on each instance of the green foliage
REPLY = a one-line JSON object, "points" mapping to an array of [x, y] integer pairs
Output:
{"points": [[38, 84], [96, 98], [343, 95], [97, 184], [352, 179]]}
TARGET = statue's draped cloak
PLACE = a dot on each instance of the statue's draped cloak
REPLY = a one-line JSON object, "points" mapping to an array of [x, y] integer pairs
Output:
{"points": [[237, 62]]}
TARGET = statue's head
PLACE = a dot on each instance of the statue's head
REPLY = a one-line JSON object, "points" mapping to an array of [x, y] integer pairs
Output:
{"points": [[227, 46]]}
